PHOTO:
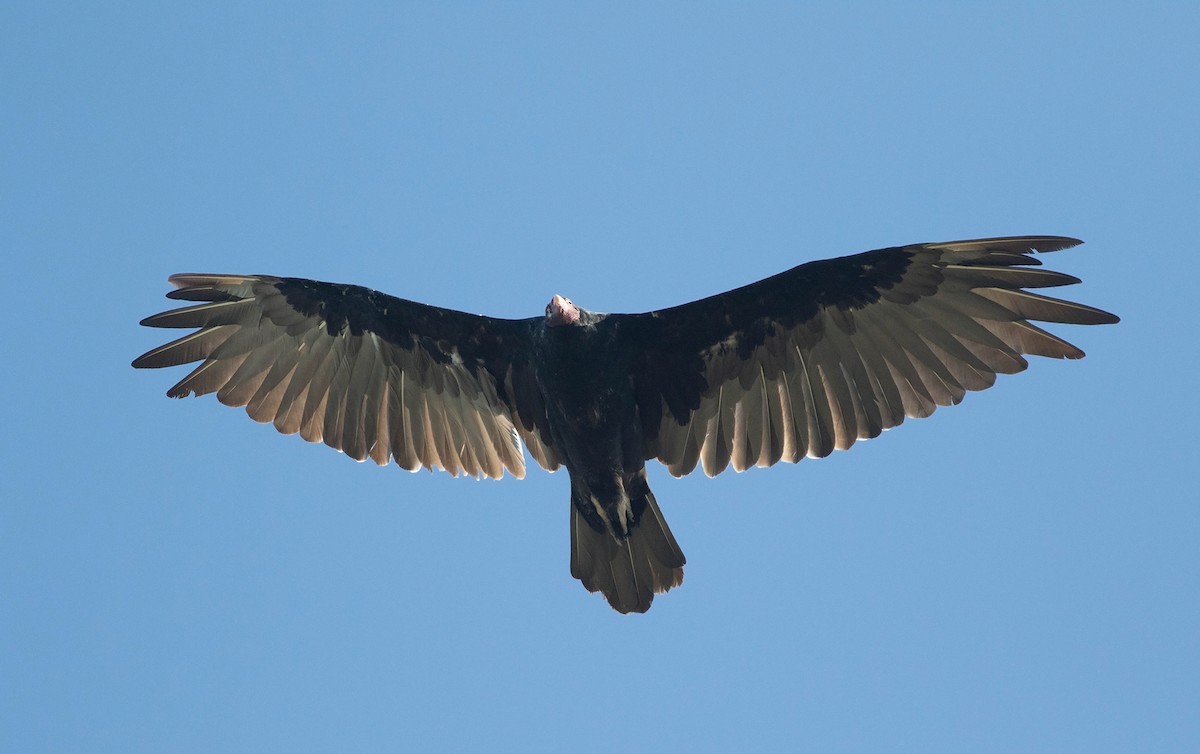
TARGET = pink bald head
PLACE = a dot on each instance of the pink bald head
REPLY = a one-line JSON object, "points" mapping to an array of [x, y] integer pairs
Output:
{"points": [[560, 311]]}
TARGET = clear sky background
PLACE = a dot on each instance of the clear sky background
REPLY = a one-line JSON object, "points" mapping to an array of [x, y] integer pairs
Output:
{"points": [[1017, 573]]}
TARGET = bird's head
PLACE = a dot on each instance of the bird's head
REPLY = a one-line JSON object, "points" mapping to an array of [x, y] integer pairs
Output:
{"points": [[560, 311]]}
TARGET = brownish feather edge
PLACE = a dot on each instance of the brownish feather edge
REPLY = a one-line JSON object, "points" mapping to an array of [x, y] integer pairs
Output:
{"points": [[954, 343], [463, 432]]}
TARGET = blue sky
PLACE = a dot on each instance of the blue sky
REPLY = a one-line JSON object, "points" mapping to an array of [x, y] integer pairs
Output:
{"points": [[1018, 573]]}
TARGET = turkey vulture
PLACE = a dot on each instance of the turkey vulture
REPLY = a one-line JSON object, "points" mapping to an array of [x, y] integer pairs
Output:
{"points": [[799, 364]]}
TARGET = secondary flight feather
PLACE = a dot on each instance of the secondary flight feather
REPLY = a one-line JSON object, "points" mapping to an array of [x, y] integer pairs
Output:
{"points": [[793, 366]]}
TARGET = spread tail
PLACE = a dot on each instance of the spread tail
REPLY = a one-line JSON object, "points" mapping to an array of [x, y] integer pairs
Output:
{"points": [[629, 570]]}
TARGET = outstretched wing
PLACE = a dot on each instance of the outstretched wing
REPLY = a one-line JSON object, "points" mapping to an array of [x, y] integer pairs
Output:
{"points": [[366, 373], [839, 350]]}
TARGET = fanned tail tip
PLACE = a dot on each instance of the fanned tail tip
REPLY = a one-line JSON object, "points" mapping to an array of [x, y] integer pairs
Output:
{"points": [[631, 570]]}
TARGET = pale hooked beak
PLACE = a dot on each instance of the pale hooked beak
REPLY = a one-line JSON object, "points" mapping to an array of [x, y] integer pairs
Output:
{"points": [[560, 311]]}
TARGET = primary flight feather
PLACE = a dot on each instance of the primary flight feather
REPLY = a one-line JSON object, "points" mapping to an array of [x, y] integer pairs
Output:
{"points": [[800, 364]]}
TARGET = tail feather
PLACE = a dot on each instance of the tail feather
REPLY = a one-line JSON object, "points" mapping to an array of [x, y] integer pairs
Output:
{"points": [[629, 571]]}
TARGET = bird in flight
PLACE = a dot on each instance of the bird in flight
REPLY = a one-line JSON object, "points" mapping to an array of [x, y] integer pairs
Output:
{"points": [[797, 365]]}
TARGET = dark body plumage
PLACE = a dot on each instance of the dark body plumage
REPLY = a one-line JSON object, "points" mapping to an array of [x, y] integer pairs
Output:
{"points": [[796, 365], [620, 542]]}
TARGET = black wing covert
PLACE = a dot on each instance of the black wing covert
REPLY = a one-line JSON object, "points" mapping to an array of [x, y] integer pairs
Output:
{"points": [[366, 373], [839, 350]]}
